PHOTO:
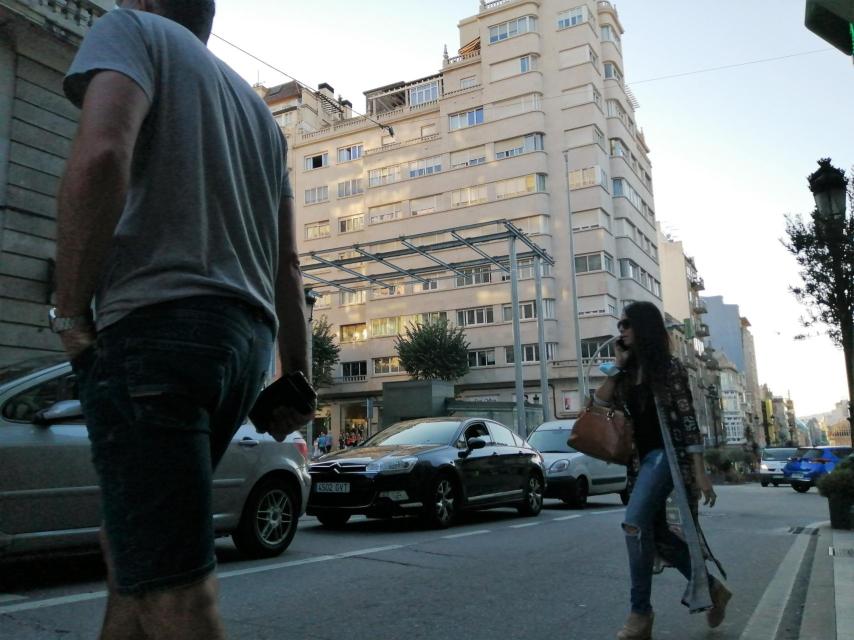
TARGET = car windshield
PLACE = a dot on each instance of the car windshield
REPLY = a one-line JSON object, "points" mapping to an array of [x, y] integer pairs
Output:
{"points": [[551, 441], [777, 454], [437, 432], [808, 454], [24, 368]]}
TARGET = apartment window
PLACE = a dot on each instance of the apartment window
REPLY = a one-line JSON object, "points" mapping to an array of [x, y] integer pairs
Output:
{"points": [[384, 213], [317, 194], [421, 206], [465, 119], [316, 161], [630, 269], [481, 358], [593, 57], [527, 63], [573, 17], [608, 262], [518, 146], [618, 148], [623, 189], [383, 175], [350, 188], [589, 177], [468, 82], [609, 34], [533, 183], [532, 225], [475, 317], [352, 297], [468, 196], [391, 289], [322, 300], [593, 262], [284, 119], [511, 29], [423, 319], [527, 311], [424, 93], [390, 364], [350, 224], [354, 371], [612, 71], [598, 136], [425, 167], [348, 154], [516, 106], [429, 285], [317, 230], [597, 97], [589, 347], [354, 332], [468, 157], [531, 353], [385, 327], [474, 275]]}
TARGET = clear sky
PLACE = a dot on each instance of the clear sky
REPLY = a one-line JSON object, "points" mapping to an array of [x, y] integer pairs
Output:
{"points": [[731, 149]]}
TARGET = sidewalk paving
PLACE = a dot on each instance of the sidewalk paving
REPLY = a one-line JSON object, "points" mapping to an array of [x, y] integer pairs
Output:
{"points": [[829, 607]]}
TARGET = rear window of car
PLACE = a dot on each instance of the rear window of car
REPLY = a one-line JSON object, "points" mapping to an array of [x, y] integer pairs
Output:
{"points": [[775, 455], [551, 441], [808, 454], [842, 452]]}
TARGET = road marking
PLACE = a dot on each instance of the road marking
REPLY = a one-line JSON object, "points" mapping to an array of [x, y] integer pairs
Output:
{"points": [[605, 513], [563, 518], [522, 526], [466, 534], [764, 624], [53, 602], [11, 597]]}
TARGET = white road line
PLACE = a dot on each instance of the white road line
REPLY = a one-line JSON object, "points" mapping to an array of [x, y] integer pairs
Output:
{"points": [[53, 602], [11, 597], [527, 524], [466, 534], [564, 518], [764, 624], [605, 513]]}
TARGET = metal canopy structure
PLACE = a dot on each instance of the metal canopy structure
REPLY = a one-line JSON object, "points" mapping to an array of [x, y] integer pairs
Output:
{"points": [[415, 258]]}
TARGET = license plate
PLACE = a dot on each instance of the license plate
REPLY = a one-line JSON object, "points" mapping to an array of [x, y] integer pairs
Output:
{"points": [[332, 487], [798, 476]]}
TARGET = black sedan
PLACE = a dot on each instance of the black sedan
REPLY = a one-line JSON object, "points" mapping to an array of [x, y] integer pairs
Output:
{"points": [[434, 468]]}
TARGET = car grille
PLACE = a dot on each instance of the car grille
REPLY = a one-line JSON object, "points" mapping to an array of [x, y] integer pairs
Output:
{"points": [[337, 467]]}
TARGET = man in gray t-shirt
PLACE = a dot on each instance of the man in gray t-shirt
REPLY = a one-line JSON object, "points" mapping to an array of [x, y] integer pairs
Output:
{"points": [[176, 217]]}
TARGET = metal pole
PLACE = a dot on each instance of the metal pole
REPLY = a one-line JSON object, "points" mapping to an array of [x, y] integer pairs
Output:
{"points": [[582, 384], [521, 423], [541, 339], [310, 299]]}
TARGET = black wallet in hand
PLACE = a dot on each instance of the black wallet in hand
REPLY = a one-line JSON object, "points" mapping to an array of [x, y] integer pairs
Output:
{"points": [[291, 390]]}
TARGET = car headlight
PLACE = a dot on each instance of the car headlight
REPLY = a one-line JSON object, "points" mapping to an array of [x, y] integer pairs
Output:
{"points": [[764, 467], [392, 465], [559, 465]]}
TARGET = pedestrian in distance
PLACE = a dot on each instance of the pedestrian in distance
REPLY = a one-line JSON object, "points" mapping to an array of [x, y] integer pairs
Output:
{"points": [[176, 223], [652, 387]]}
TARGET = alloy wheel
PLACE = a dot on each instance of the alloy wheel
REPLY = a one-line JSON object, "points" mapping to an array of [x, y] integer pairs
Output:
{"points": [[535, 494], [444, 501], [274, 517]]}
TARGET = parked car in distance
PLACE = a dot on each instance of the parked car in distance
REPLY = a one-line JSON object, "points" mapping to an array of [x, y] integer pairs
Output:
{"points": [[433, 468], [772, 463], [49, 496], [572, 476], [808, 464]]}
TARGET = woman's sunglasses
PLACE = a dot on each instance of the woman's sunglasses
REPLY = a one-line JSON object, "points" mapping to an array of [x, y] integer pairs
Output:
{"points": [[624, 324]]}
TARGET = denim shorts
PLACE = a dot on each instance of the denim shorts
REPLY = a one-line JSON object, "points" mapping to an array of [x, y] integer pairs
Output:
{"points": [[163, 390]]}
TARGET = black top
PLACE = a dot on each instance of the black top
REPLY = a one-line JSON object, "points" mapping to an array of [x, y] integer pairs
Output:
{"points": [[641, 406]]}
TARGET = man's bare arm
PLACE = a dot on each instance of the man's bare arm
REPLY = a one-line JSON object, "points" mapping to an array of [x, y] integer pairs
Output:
{"points": [[93, 191], [290, 296]]}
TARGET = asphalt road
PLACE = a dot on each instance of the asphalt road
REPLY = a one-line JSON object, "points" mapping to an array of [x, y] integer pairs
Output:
{"points": [[493, 576]]}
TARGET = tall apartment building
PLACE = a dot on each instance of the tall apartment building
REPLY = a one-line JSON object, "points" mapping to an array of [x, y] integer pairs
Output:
{"points": [[483, 140]]}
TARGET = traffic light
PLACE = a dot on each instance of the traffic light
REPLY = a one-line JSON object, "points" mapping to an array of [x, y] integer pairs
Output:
{"points": [[833, 21]]}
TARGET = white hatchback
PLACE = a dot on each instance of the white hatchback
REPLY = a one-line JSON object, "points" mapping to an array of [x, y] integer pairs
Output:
{"points": [[572, 476]]}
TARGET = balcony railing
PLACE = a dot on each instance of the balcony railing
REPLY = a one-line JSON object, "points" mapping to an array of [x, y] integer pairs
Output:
{"points": [[348, 379], [703, 330], [697, 283], [466, 57], [69, 19], [489, 6], [700, 307]]}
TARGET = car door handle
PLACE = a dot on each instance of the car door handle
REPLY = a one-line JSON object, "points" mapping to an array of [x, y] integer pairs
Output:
{"points": [[248, 442]]}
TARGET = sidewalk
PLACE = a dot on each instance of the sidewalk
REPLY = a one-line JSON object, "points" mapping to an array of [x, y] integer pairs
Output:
{"points": [[829, 606]]}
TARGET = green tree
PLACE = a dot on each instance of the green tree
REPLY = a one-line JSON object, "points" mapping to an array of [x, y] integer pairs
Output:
{"points": [[823, 246], [324, 352], [433, 351]]}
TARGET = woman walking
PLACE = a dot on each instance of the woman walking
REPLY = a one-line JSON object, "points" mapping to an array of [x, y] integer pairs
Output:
{"points": [[652, 387]]}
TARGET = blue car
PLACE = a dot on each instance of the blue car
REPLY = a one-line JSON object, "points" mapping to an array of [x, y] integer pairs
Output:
{"points": [[808, 464]]}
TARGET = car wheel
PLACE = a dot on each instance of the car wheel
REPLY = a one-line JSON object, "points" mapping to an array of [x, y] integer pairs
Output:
{"points": [[533, 501], [578, 499], [801, 487], [269, 520], [333, 520], [624, 496], [440, 508], [764, 483], [776, 484]]}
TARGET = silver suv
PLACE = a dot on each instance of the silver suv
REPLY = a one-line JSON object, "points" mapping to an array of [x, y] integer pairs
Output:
{"points": [[49, 497]]}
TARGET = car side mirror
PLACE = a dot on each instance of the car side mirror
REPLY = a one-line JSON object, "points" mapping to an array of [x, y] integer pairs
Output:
{"points": [[471, 445], [59, 411]]}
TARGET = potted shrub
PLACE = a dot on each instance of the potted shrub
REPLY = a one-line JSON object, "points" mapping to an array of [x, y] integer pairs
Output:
{"points": [[838, 487]]}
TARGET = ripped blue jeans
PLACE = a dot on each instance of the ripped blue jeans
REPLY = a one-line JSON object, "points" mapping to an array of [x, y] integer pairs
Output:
{"points": [[645, 523]]}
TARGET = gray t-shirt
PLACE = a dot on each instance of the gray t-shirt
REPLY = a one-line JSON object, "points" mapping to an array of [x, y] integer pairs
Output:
{"points": [[208, 172]]}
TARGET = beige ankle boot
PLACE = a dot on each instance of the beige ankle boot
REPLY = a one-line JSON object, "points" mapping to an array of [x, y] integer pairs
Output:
{"points": [[720, 597], [638, 627]]}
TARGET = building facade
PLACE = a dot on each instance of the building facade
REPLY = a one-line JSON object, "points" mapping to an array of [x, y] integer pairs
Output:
{"points": [[536, 88], [733, 402], [37, 43]]}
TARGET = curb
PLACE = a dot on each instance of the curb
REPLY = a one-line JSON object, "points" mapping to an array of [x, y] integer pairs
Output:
{"points": [[819, 613], [843, 582]]}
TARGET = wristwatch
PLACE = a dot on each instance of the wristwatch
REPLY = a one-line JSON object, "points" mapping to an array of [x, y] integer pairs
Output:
{"points": [[58, 324]]}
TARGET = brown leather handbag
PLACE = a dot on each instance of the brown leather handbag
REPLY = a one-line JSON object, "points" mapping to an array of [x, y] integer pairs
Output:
{"points": [[603, 433]]}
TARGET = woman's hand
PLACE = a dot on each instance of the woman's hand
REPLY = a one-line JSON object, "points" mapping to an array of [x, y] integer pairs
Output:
{"points": [[705, 484], [622, 358]]}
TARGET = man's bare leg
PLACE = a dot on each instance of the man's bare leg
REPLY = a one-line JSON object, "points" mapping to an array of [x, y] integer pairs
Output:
{"points": [[121, 620], [182, 613]]}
